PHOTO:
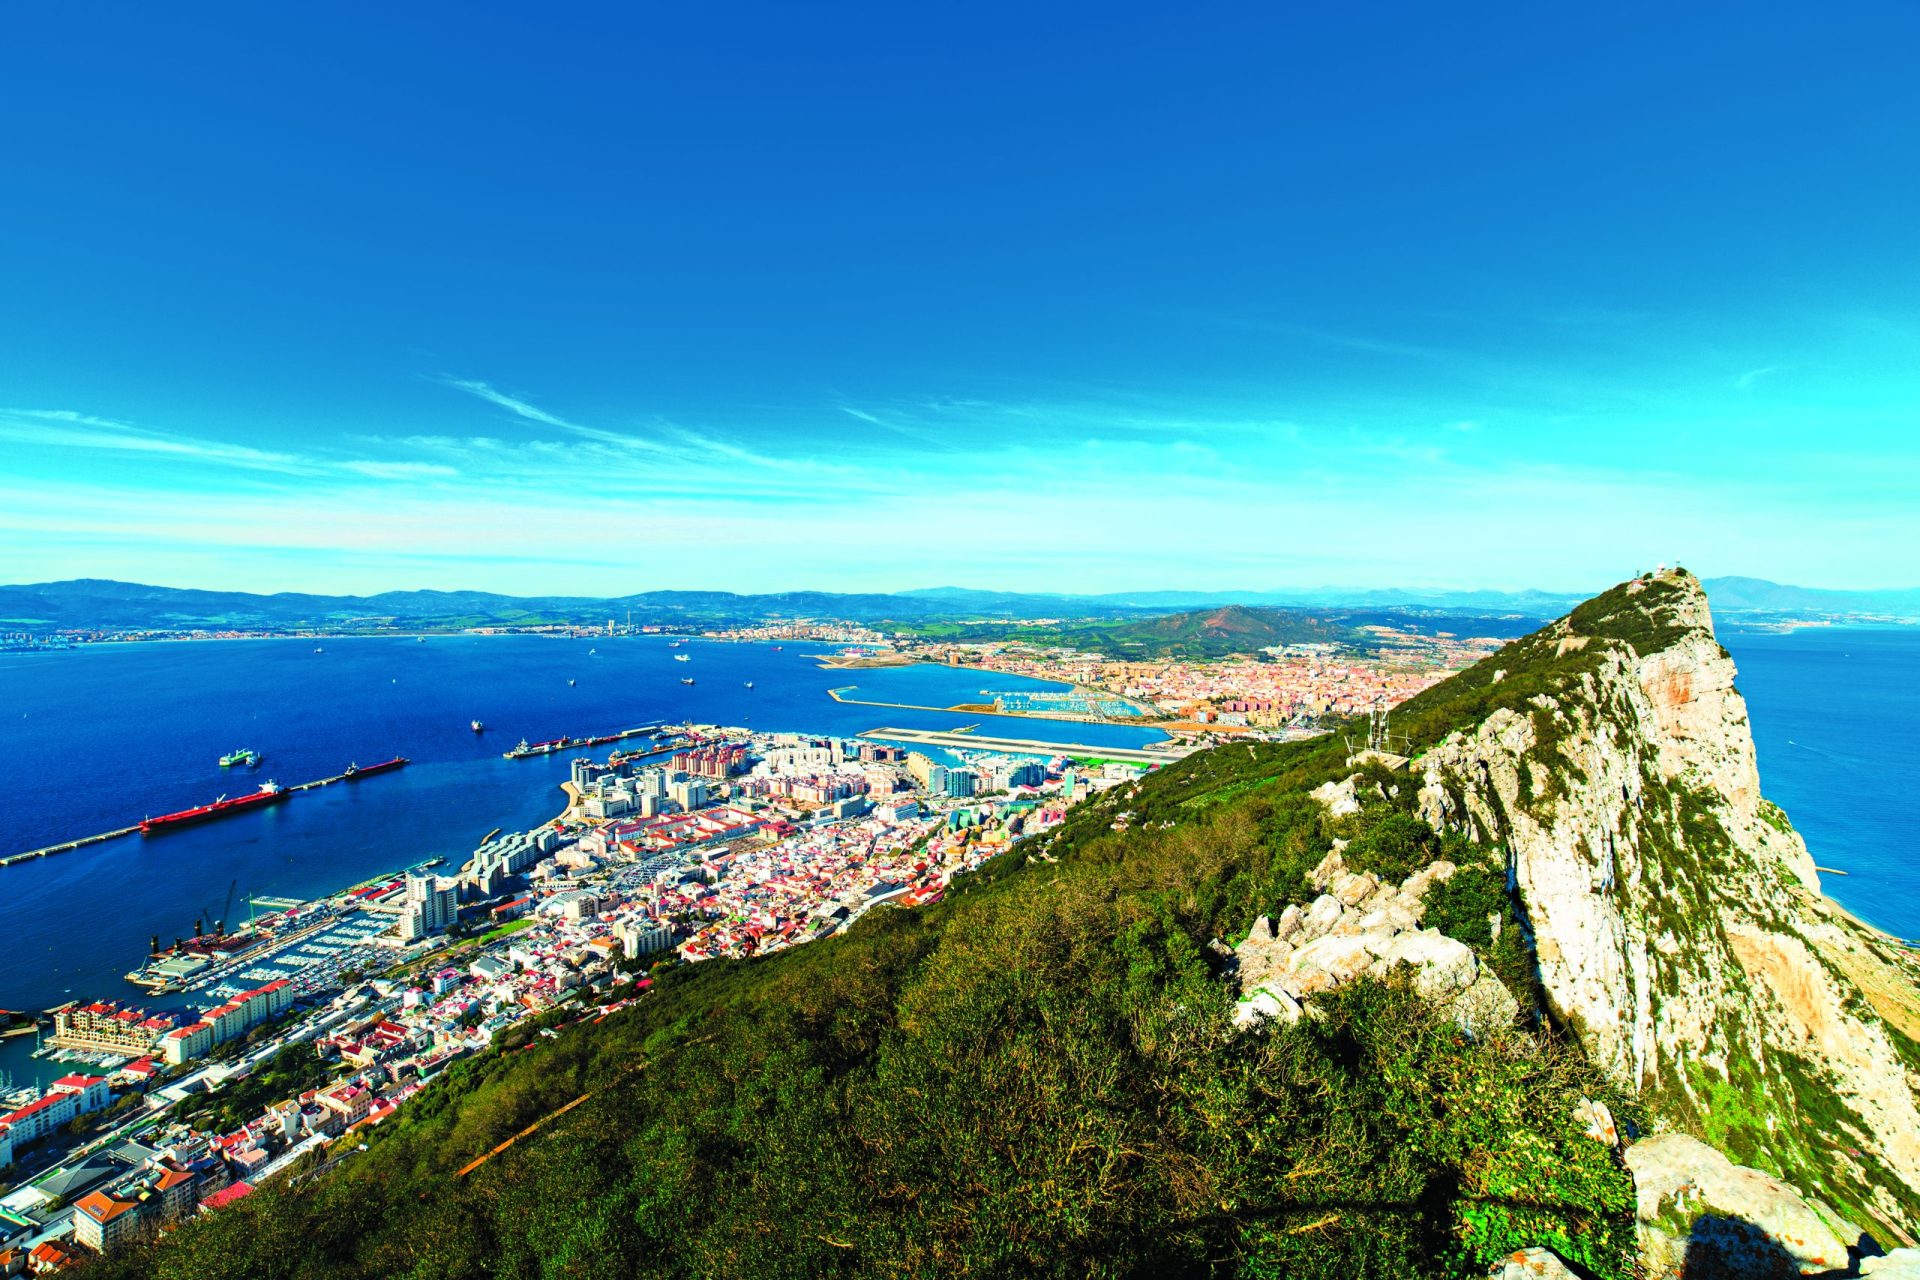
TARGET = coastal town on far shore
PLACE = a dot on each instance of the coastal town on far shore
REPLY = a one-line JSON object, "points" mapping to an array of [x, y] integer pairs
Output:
{"points": [[1266, 688], [687, 843]]}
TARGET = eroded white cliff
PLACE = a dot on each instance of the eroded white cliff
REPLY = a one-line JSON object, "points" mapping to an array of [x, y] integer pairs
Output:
{"points": [[1676, 916]]}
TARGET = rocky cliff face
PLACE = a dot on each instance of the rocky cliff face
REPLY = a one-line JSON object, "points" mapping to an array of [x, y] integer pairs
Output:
{"points": [[1676, 916]]}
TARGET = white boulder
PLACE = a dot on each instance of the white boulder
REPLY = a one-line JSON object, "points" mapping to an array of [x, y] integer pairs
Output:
{"points": [[1700, 1213], [1442, 966], [1323, 914], [1531, 1264], [1265, 1005]]}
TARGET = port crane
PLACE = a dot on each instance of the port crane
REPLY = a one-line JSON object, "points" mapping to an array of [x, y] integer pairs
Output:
{"points": [[220, 921]]}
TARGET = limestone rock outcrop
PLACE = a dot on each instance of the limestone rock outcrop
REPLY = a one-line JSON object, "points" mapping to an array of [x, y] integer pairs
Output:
{"points": [[1362, 928], [1701, 1214], [1676, 916]]}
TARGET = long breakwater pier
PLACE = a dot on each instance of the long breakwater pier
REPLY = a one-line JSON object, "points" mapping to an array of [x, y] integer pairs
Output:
{"points": [[1029, 746], [67, 846], [521, 752]]}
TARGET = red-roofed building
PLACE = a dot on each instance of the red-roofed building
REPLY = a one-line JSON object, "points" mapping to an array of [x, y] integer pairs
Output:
{"points": [[175, 1187], [104, 1026], [92, 1093], [348, 1101], [103, 1221], [50, 1257], [41, 1117], [248, 1010], [509, 910], [186, 1043]]}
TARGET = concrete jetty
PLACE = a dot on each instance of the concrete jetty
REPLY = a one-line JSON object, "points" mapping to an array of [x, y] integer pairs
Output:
{"points": [[67, 846]]}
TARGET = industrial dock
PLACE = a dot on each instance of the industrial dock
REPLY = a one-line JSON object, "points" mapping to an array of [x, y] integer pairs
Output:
{"points": [[526, 750], [307, 943]]}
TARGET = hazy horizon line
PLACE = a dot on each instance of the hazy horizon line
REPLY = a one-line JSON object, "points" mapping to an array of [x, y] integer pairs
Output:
{"points": [[1321, 588]]}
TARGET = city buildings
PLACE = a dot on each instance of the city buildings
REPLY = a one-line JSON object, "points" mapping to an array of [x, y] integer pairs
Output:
{"points": [[153, 1196], [103, 1221], [106, 1026], [431, 906], [186, 1043], [226, 1021], [763, 841], [65, 1098], [1284, 685], [643, 936]]}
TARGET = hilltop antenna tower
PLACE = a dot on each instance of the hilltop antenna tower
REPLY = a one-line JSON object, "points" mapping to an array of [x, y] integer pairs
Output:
{"points": [[1380, 736]]}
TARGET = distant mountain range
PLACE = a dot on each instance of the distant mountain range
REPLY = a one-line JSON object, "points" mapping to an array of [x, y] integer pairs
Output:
{"points": [[1237, 628], [1757, 595], [93, 603], [1541, 604], [101, 603], [1728, 595]]}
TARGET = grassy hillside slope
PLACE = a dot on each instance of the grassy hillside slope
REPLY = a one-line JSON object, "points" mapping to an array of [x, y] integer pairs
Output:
{"points": [[1038, 1076]]}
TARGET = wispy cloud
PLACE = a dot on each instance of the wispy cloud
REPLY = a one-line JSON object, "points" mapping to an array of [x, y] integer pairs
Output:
{"points": [[60, 431], [517, 407], [67, 429], [924, 438], [1746, 380], [700, 459], [400, 470], [1047, 479], [530, 412]]}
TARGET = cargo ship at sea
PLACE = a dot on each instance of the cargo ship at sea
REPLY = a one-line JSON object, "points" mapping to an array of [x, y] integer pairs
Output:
{"points": [[357, 771], [269, 793], [526, 749]]}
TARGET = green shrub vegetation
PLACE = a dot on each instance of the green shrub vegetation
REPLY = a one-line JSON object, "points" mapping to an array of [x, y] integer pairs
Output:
{"points": [[1037, 1076]]}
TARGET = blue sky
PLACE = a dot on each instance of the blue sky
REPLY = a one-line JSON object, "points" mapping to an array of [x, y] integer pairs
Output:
{"points": [[612, 298]]}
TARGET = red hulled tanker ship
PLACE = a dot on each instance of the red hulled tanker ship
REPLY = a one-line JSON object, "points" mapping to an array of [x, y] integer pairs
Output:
{"points": [[269, 793], [356, 771]]}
